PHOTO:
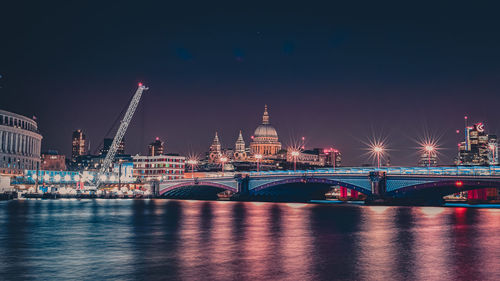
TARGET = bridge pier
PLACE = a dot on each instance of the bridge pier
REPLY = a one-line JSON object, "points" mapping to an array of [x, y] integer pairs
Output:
{"points": [[343, 192], [354, 194], [378, 181], [242, 187], [478, 195], [155, 188]]}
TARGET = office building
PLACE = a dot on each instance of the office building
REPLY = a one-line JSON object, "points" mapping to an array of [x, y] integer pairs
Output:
{"points": [[156, 148], [20, 143], [79, 144], [161, 167]]}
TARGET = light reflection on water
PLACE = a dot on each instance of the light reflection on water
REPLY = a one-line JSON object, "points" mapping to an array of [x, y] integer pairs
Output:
{"points": [[208, 240]]}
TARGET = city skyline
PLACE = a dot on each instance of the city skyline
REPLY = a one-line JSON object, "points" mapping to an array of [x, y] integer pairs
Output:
{"points": [[337, 82], [414, 148]]}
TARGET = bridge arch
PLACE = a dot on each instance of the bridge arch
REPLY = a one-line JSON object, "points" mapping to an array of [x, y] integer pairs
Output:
{"points": [[313, 180], [442, 188], [295, 187], [201, 189]]}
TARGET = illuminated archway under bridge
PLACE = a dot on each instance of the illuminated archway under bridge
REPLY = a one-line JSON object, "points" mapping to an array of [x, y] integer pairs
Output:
{"points": [[306, 186], [195, 189], [443, 187]]}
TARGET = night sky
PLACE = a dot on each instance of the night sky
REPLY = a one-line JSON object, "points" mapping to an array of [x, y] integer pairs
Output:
{"points": [[337, 74]]}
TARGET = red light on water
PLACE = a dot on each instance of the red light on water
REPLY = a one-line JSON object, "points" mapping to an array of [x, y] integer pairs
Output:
{"points": [[459, 183], [140, 84]]}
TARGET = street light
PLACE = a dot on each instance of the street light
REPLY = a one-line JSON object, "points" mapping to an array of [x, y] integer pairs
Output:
{"points": [[295, 154], [223, 160], [193, 162], [378, 150], [429, 149], [258, 157]]}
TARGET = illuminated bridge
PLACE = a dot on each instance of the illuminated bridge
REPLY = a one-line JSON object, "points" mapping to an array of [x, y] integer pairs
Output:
{"points": [[395, 184]]}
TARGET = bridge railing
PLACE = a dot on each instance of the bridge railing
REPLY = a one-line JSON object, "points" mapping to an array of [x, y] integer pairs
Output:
{"points": [[438, 171]]}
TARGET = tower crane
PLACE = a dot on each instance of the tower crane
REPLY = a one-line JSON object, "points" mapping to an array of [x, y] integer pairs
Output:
{"points": [[121, 132]]}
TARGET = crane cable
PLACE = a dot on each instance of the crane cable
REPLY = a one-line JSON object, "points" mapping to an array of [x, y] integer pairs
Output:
{"points": [[113, 126]]}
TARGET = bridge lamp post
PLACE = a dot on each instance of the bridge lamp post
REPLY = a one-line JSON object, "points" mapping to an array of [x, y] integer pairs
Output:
{"points": [[223, 160], [295, 154], [258, 157], [378, 150], [429, 149], [193, 163]]}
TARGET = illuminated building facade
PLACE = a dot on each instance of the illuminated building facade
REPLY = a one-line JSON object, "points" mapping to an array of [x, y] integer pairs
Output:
{"points": [[124, 170], [79, 144], [156, 148], [306, 157], [20, 143], [265, 139], [161, 167], [330, 157], [478, 148], [492, 150], [71, 178], [53, 161], [317, 157]]}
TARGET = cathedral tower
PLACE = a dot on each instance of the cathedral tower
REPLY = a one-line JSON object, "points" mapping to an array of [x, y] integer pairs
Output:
{"points": [[239, 149], [215, 150]]}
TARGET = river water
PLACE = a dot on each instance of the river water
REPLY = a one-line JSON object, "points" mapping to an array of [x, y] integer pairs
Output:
{"points": [[210, 240]]}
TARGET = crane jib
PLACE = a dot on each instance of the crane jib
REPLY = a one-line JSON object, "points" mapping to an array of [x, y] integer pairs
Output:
{"points": [[120, 133]]}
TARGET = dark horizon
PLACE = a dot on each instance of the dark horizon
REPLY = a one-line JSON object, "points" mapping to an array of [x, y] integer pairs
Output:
{"points": [[334, 73]]}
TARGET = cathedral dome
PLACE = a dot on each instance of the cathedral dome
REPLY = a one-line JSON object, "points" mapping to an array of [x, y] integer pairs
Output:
{"points": [[265, 138], [265, 131]]}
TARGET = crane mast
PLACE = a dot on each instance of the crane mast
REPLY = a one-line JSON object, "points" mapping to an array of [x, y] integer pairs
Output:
{"points": [[120, 133]]}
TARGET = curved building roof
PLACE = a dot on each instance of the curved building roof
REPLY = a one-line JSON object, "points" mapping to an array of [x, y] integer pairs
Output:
{"points": [[265, 130]]}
